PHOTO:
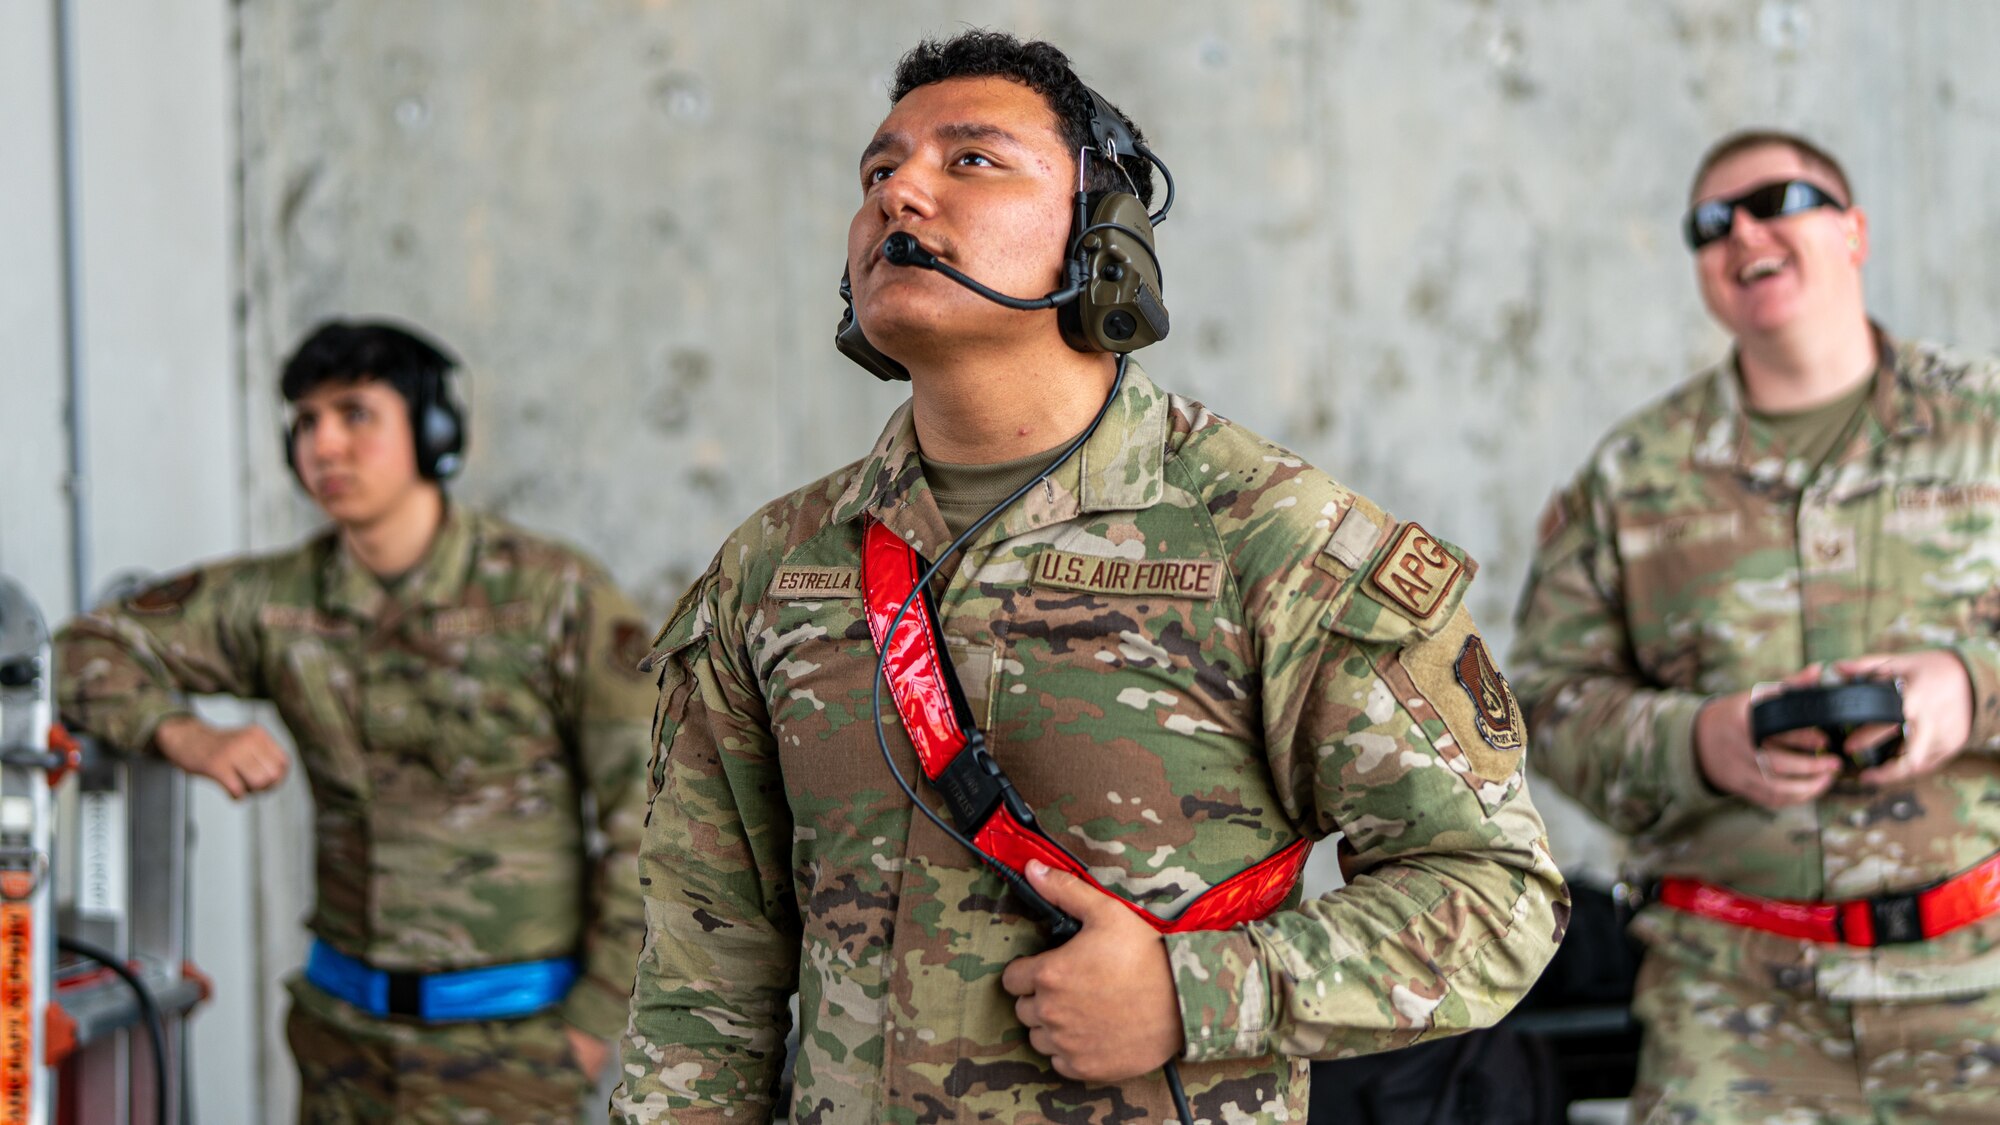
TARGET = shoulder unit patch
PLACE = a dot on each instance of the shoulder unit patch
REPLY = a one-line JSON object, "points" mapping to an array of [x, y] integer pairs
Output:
{"points": [[1494, 710], [1417, 572], [628, 646], [167, 596]]}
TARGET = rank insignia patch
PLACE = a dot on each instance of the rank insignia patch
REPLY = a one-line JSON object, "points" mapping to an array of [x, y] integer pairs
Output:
{"points": [[1417, 573]]}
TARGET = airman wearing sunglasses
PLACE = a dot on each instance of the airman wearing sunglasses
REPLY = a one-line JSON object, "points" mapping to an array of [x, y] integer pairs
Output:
{"points": [[1824, 941]]}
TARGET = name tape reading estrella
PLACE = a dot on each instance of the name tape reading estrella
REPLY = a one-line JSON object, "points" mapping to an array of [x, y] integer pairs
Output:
{"points": [[805, 583], [1417, 573], [1179, 578]]}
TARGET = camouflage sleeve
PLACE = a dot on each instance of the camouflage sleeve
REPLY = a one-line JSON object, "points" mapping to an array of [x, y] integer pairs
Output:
{"points": [[610, 708], [124, 668], [1396, 730], [1621, 746], [709, 1013], [1981, 655], [1975, 379]]}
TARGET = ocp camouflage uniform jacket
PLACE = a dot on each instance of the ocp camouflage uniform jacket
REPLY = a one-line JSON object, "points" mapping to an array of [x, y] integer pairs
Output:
{"points": [[449, 730], [1693, 558], [1171, 724]]}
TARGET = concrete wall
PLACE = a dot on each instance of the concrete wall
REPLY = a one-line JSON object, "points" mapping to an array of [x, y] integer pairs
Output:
{"points": [[1431, 245]]}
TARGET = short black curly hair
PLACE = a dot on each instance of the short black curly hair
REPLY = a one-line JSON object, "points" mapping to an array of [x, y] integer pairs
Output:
{"points": [[340, 351], [1038, 65]]}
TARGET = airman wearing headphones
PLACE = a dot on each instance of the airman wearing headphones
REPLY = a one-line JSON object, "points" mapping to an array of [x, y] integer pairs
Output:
{"points": [[455, 687]]}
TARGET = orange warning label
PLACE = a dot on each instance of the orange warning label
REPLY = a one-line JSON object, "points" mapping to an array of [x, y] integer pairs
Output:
{"points": [[17, 1012]]}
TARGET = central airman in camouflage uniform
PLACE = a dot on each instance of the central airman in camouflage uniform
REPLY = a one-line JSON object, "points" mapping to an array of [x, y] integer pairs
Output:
{"points": [[1187, 647], [1725, 537], [451, 716]]}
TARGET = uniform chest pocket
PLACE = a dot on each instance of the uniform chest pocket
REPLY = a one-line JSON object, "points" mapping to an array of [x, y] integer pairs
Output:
{"points": [[1684, 571], [1941, 543], [488, 698], [314, 686], [1178, 666], [1679, 555], [815, 661]]}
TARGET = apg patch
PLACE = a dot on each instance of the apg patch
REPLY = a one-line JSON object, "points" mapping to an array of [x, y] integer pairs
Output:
{"points": [[167, 596], [805, 583], [1417, 572], [1174, 578]]}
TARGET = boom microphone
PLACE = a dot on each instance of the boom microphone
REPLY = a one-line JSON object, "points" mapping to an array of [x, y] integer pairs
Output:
{"points": [[903, 249]]}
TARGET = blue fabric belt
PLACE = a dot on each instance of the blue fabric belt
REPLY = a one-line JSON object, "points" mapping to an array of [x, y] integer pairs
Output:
{"points": [[495, 992]]}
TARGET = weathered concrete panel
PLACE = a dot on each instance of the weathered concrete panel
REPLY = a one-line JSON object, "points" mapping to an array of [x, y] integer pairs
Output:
{"points": [[1431, 245]]}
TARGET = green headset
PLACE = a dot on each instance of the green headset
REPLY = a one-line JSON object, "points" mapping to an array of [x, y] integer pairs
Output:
{"points": [[1111, 297]]}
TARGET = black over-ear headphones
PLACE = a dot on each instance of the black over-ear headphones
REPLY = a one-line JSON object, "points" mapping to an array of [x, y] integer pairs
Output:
{"points": [[1110, 300], [437, 426], [437, 423]]}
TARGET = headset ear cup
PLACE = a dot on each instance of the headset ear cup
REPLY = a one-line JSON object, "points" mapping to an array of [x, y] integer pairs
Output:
{"points": [[440, 431], [443, 442], [1120, 308], [853, 343]]}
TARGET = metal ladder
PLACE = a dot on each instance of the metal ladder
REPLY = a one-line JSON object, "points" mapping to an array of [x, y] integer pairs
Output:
{"points": [[102, 860]]}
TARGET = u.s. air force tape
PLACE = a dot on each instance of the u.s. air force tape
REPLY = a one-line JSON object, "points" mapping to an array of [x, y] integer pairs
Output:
{"points": [[1174, 578]]}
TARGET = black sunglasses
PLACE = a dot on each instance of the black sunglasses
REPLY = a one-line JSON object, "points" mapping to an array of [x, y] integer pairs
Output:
{"points": [[1713, 219]]}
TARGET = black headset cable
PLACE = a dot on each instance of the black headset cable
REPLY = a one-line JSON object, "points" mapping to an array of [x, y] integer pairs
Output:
{"points": [[156, 1030], [1160, 216]]}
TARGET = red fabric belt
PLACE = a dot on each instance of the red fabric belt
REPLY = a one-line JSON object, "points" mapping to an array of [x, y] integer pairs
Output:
{"points": [[956, 763], [1918, 915]]}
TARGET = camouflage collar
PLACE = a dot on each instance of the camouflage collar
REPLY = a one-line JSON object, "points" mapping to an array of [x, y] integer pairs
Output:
{"points": [[438, 579], [1122, 467], [1724, 439]]}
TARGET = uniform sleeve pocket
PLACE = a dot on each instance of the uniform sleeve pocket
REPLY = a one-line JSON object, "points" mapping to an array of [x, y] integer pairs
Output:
{"points": [[679, 643]]}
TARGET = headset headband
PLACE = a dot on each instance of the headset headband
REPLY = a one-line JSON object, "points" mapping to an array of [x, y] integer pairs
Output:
{"points": [[1108, 130]]}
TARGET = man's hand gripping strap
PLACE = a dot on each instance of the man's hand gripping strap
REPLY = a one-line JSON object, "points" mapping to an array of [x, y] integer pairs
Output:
{"points": [[982, 802]]}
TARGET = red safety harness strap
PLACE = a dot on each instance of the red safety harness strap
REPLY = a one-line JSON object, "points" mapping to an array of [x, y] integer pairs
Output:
{"points": [[1886, 920], [924, 693], [957, 764]]}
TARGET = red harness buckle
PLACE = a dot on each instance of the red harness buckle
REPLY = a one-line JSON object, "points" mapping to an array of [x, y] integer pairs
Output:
{"points": [[982, 801], [1897, 919]]}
